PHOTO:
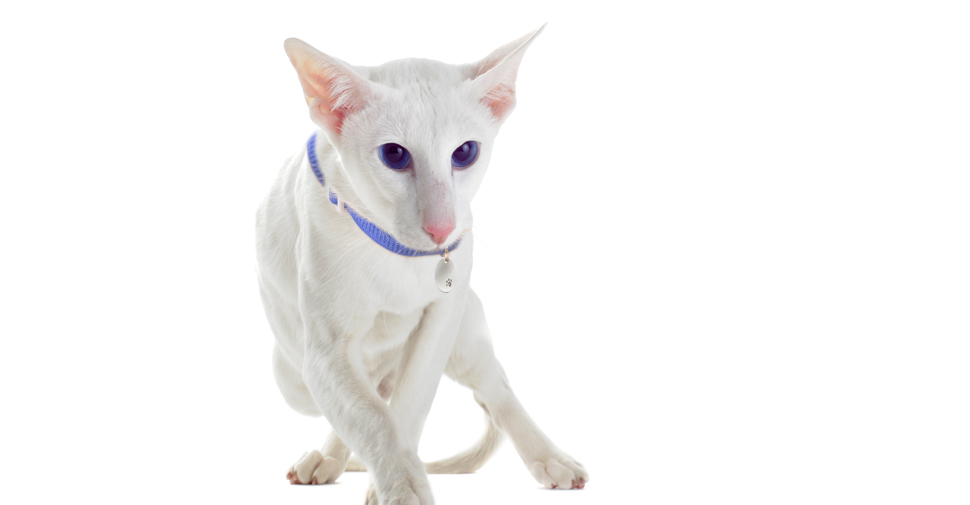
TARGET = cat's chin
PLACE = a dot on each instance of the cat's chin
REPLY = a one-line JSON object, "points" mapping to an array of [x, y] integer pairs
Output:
{"points": [[423, 244]]}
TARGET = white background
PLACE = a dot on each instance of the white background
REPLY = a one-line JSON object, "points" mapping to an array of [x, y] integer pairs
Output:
{"points": [[723, 248]]}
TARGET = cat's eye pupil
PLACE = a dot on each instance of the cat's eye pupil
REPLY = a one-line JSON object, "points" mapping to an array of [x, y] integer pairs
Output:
{"points": [[465, 155], [394, 156], [394, 153]]}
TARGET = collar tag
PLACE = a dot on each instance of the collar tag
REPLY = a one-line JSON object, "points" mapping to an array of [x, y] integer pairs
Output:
{"points": [[444, 273]]}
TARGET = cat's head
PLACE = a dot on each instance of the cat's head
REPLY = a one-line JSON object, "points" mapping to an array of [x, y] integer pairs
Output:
{"points": [[414, 136]]}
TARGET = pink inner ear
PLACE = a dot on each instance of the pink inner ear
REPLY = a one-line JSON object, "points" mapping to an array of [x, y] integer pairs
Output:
{"points": [[500, 99], [331, 119], [335, 99]]}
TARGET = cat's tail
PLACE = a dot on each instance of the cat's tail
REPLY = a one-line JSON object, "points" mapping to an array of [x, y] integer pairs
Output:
{"points": [[467, 461], [474, 457]]}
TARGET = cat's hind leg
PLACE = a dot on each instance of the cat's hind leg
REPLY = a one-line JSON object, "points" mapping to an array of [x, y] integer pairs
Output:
{"points": [[323, 466], [473, 364], [314, 467]]}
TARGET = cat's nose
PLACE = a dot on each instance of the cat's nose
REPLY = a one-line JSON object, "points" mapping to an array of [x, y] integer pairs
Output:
{"points": [[439, 231]]}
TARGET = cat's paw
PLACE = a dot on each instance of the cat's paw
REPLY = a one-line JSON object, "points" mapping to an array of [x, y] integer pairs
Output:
{"points": [[404, 482], [371, 497], [315, 468], [559, 472], [401, 493]]}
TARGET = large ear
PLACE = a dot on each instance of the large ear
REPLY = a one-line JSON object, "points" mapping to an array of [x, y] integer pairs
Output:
{"points": [[494, 76], [332, 89]]}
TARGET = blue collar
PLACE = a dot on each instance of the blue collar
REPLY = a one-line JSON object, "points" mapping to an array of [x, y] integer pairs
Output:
{"points": [[373, 231]]}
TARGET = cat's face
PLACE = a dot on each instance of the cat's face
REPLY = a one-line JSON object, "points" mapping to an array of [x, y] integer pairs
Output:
{"points": [[414, 136]]}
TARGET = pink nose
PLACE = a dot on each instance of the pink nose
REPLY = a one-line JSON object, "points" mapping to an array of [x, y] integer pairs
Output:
{"points": [[439, 232]]}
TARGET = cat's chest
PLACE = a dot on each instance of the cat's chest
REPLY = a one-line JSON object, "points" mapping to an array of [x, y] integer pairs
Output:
{"points": [[392, 283], [359, 274]]}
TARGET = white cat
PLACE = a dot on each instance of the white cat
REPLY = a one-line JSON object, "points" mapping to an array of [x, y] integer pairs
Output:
{"points": [[349, 243]]}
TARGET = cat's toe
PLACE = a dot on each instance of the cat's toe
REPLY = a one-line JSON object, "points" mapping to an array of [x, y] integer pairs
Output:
{"points": [[559, 472], [371, 497], [315, 468]]}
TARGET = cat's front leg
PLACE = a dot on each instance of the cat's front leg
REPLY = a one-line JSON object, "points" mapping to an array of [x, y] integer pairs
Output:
{"points": [[333, 373], [473, 364], [423, 365]]}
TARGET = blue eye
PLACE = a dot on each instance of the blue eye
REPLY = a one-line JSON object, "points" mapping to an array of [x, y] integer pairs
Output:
{"points": [[465, 155], [394, 156]]}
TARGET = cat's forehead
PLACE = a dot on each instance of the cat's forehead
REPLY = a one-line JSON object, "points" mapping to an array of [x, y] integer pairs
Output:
{"points": [[416, 74], [428, 103]]}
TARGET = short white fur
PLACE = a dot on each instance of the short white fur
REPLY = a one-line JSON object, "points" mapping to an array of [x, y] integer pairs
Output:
{"points": [[363, 335]]}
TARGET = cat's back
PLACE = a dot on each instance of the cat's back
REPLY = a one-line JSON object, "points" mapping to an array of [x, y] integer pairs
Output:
{"points": [[278, 228]]}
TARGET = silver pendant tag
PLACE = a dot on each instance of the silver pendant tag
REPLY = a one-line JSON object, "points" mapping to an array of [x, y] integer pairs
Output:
{"points": [[445, 273]]}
